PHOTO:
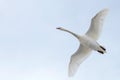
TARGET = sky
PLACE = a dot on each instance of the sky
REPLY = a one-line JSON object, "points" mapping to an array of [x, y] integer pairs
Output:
{"points": [[32, 49]]}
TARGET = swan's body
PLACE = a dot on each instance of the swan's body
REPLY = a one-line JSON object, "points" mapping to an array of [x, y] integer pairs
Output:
{"points": [[87, 42], [90, 43]]}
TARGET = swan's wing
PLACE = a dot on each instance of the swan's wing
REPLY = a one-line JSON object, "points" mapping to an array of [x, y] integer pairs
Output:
{"points": [[77, 58], [96, 24]]}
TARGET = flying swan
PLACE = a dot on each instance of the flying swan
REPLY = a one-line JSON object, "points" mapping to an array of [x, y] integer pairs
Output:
{"points": [[87, 42]]}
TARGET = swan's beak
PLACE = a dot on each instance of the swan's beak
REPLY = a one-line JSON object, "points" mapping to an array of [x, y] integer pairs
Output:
{"points": [[58, 28]]}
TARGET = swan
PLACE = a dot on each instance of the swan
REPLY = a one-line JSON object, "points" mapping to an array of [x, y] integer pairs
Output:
{"points": [[88, 42]]}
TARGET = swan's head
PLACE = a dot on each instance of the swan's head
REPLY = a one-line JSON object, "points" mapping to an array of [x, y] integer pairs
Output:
{"points": [[60, 28]]}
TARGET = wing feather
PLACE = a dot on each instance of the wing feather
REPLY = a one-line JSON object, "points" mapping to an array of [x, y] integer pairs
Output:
{"points": [[77, 58], [96, 24]]}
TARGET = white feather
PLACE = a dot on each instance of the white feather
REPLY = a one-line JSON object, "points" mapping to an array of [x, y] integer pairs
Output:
{"points": [[97, 24], [77, 58]]}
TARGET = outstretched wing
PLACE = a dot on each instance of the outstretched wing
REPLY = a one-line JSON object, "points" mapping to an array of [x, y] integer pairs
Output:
{"points": [[76, 59], [96, 24]]}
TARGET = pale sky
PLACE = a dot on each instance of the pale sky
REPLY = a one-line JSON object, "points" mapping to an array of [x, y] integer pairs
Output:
{"points": [[32, 49]]}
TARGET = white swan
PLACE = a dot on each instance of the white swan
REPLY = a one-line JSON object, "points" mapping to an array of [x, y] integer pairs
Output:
{"points": [[87, 42]]}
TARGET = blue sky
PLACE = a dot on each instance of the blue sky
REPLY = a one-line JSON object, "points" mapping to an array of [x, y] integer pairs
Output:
{"points": [[32, 49]]}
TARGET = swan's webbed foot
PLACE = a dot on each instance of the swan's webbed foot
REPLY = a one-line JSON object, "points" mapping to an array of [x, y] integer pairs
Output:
{"points": [[100, 52]]}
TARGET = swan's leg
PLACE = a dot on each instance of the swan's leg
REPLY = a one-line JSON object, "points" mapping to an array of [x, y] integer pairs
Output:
{"points": [[100, 52]]}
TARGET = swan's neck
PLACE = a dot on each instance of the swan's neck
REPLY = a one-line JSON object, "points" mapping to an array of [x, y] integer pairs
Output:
{"points": [[77, 36]]}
